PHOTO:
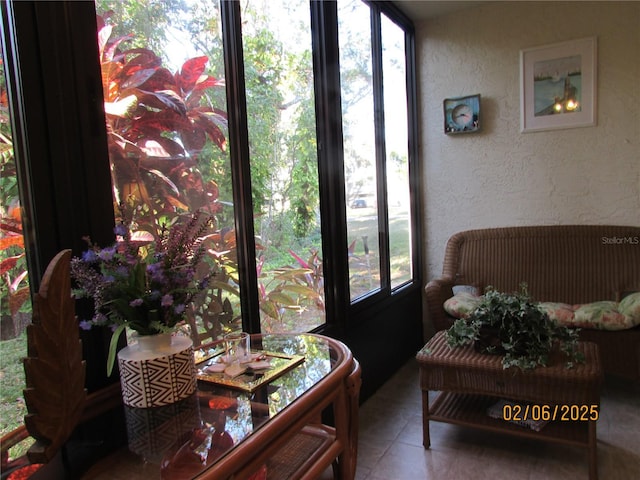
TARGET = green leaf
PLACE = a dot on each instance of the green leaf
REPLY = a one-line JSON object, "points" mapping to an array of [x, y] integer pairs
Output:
{"points": [[139, 277], [293, 273], [113, 345], [270, 309], [301, 290], [225, 287], [122, 107], [527, 334], [281, 298]]}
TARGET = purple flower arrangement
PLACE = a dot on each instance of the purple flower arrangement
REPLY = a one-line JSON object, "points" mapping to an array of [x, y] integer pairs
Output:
{"points": [[142, 283]]}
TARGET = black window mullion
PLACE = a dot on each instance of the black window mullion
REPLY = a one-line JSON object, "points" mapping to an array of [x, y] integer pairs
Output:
{"points": [[326, 68], [415, 173], [397, 16], [381, 175], [240, 163], [60, 147], [54, 81]]}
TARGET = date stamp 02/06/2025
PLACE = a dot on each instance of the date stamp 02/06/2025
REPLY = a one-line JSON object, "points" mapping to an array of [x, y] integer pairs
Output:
{"points": [[514, 412]]}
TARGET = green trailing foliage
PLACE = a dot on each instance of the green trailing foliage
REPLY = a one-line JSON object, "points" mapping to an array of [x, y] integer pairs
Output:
{"points": [[513, 325]]}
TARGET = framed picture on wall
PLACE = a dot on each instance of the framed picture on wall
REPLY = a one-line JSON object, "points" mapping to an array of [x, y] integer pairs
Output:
{"points": [[462, 114], [558, 85]]}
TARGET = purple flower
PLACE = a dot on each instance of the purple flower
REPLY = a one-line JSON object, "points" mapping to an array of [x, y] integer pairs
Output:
{"points": [[85, 324], [106, 254], [167, 300], [179, 309], [89, 256], [113, 274], [121, 230], [156, 273], [99, 319]]}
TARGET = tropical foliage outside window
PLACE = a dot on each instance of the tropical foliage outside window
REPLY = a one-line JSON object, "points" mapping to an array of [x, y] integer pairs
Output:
{"points": [[15, 299], [166, 120], [163, 127], [284, 164]]}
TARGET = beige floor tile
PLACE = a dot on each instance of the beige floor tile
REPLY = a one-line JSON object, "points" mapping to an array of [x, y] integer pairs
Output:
{"points": [[390, 446]]}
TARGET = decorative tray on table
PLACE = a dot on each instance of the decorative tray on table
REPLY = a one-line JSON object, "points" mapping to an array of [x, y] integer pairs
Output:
{"points": [[260, 368]]}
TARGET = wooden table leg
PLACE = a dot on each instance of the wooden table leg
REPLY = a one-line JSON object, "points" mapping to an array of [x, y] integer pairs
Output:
{"points": [[352, 385], [426, 439], [592, 450]]}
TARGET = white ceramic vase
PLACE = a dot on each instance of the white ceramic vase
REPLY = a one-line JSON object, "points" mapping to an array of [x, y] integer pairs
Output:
{"points": [[159, 370]]}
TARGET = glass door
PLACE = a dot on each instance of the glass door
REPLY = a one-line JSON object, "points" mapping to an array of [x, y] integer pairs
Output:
{"points": [[373, 76]]}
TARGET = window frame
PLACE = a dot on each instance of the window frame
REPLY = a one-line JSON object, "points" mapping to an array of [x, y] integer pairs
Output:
{"points": [[61, 148], [385, 294]]}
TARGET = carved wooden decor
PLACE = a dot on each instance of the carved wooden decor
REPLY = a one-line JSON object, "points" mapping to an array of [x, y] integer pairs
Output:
{"points": [[54, 369]]}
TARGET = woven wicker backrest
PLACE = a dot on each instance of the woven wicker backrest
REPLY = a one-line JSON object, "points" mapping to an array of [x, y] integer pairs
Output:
{"points": [[572, 264]]}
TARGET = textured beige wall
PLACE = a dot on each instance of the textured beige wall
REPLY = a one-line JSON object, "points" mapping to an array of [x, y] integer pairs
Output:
{"points": [[501, 177]]}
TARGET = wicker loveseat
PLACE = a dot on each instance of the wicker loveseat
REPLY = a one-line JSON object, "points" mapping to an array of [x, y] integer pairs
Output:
{"points": [[574, 264]]}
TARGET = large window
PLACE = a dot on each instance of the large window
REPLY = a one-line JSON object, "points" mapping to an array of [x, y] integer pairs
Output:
{"points": [[396, 141], [375, 119], [169, 166], [165, 107], [287, 121], [276, 39], [166, 162], [359, 134]]}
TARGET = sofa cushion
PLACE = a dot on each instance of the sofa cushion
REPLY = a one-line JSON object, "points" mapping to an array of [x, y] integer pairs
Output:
{"points": [[561, 313], [462, 304], [602, 315], [472, 289], [630, 307]]}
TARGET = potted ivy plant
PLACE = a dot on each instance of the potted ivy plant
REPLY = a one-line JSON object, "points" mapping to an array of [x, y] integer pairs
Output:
{"points": [[513, 325]]}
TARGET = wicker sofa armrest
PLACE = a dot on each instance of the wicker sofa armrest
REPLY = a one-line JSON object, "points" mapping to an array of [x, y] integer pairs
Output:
{"points": [[437, 291]]}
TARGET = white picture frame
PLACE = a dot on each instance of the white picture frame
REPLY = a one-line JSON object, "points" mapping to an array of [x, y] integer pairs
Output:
{"points": [[558, 85]]}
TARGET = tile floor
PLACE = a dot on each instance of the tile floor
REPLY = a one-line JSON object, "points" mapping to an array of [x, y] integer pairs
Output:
{"points": [[390, 441]]}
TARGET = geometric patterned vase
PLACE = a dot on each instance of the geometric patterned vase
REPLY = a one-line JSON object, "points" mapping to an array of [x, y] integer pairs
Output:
{"points": [[159, 370]]}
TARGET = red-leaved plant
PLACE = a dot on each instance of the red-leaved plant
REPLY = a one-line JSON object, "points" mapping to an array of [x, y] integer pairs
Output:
{"points": [[158, 122], [14, 291]]}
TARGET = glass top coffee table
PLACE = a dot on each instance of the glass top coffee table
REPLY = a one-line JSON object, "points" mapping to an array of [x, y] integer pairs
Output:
{"points": [[267, 429]]}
